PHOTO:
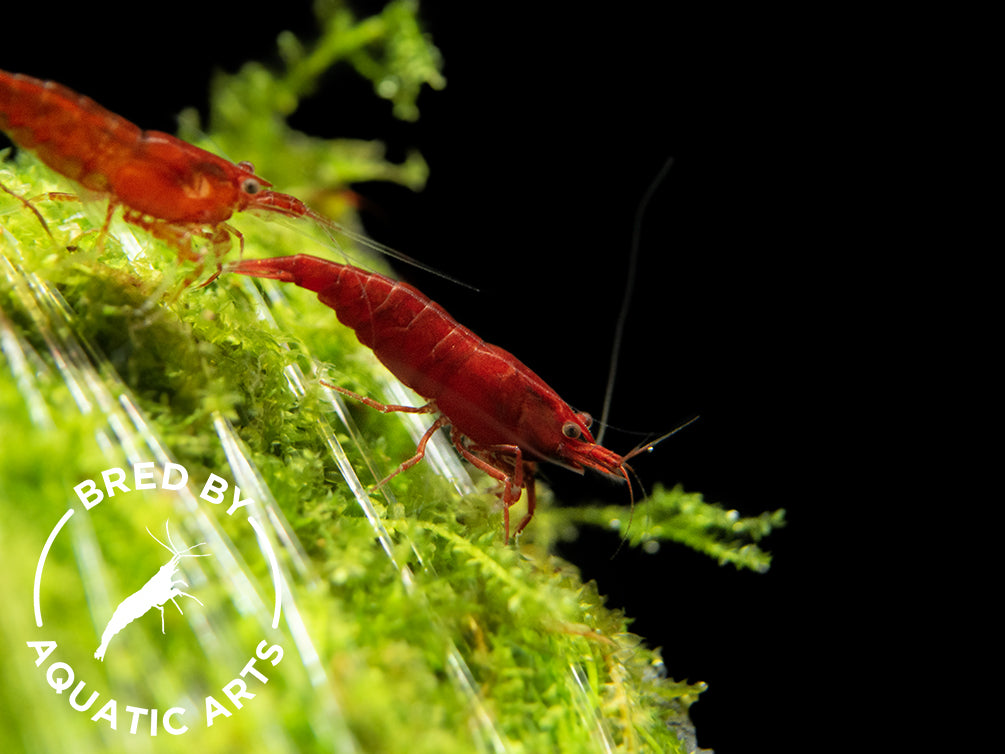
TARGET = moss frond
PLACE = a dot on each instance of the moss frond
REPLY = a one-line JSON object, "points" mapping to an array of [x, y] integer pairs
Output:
{"points": [[684, 517]]}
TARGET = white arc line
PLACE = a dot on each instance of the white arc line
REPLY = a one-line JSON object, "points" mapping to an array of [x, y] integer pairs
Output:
{"points": [[41, 564]]}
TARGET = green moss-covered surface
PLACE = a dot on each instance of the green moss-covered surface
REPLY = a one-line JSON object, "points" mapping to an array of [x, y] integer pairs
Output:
{"points": [[407, 624]]}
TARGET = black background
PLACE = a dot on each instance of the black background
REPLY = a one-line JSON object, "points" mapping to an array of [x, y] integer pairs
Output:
{"points": [[553, 122]]}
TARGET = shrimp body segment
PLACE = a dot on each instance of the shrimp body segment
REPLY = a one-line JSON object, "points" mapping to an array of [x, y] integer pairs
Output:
{"points": [[168, 186], [504, 417]]}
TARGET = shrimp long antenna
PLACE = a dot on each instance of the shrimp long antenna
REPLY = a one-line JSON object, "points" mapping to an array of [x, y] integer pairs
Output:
{"points": [[330, 227], [631, 454], [645, 448], [171, 549], [626, 300]]}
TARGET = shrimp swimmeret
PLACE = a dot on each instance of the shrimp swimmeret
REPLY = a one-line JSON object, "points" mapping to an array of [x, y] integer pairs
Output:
{"points": [[157, 591]]}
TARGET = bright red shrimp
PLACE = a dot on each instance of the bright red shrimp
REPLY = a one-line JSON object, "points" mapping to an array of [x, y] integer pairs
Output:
{"points": [[504, 419], [172, 189]]}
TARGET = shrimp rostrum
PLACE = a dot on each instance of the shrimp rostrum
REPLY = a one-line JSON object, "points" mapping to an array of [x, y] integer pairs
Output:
{"points": [[503, 418], [174, 190]]}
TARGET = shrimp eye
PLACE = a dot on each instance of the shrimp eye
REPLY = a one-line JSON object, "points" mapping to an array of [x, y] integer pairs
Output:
{"points": [[571, 430], [251, 186], [586, 419]]}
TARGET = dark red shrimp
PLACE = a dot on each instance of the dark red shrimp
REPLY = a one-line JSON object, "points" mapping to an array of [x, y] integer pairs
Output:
{"points": [[169, 187], [504, 419]]}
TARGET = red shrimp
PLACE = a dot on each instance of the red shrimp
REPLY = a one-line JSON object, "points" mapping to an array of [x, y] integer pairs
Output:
{"points": [[172, 189], [504, 419]]}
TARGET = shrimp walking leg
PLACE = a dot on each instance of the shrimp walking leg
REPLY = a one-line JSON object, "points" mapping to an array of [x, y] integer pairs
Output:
{"points": [[178, 593], [384, 408], [513, 481], [388, 408], [420, 451], [490, 459], [27, 203]]}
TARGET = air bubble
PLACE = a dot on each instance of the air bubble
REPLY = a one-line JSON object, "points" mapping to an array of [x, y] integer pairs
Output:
{"points": [[388, 88]]}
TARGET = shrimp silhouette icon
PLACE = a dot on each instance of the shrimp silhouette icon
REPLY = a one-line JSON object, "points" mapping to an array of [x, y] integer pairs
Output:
{"points": [[155, 593]]}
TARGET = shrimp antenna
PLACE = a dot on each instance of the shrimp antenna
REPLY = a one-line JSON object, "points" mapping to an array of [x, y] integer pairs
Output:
{"points": [[652, 444], [631, 454], [291, 207], [626, 300], [330, 227], [171, 549]]}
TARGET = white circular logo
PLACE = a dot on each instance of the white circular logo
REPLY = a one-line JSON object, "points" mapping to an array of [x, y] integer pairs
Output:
{"points": [[173, 578]]}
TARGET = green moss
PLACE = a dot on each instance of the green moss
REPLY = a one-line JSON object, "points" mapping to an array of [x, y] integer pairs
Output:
{"points": [[678, 516], [449, 640]]}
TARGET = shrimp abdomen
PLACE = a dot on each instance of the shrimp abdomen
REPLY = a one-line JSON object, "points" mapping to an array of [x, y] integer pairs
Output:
{"points": [[479, 387], [69, 132], [413, 337]]}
